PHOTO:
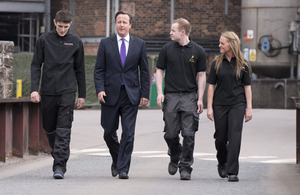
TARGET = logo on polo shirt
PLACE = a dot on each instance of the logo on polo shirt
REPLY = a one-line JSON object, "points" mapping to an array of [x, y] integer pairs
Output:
{"points": [[68, 44], [192, 59]]}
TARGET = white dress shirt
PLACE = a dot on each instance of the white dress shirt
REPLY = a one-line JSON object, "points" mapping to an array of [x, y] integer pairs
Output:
{"points": [[126, 40]]}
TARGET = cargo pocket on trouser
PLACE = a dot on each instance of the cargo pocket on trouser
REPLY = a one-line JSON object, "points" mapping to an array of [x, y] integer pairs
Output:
{"points": [[66, 111], [190, 123]]}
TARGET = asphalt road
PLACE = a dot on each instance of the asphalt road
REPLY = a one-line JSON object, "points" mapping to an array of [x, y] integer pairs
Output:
{"points": [[267, 161]]}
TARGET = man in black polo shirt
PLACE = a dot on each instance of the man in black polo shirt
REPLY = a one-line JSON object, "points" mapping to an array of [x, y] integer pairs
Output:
{"points": [[184, 63]]}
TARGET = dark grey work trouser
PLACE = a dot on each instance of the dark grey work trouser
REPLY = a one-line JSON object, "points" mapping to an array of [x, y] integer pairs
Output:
{"points": [[180, 115], [57, 112], [228, 135]]}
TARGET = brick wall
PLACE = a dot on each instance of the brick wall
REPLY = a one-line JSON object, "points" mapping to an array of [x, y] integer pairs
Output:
{"points": [[90, 17], [152, 17], [207, 17], [57, 5]]}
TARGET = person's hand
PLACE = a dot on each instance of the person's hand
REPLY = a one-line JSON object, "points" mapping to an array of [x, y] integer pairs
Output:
{"points": [[35, 97], [200, 106], [101, 96], [248, 114], [210, 114], [144, 102], [160, 98], [80, 103]]}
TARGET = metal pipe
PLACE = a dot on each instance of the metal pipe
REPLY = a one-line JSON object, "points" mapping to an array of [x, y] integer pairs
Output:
{"points": [[107, 17], [172, 13], [297, 39], [298, 134], [292, 63], [71, 2], [30, 32], [47, 15], [226, 7], [285, 93], [298, 67], [115, 8]]}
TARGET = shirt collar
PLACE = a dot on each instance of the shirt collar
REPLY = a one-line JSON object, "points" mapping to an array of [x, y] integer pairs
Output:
{"points": [[188, 45], [233, 58], [127, 38]]}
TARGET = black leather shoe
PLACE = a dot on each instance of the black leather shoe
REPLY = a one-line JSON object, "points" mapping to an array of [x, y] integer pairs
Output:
{"points": [[233, 178], [123, 175], [172, 168], [222, 171], [184, 175], [114, 171]]}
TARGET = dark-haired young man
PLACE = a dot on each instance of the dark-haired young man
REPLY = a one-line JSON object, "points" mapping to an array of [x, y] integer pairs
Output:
{"points": [[59, 56]]}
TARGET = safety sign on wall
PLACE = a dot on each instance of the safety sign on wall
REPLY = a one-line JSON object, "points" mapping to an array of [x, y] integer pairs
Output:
{"points": [[252, 55], [249, 35]]}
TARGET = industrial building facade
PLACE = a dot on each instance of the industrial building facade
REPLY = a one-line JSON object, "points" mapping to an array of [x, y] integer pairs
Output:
{"points": [[22, 21]]}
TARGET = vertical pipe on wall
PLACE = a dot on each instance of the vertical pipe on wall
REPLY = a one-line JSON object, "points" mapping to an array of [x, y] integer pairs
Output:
{"points": [[298, 67], [285, 94], [297, 42], [107, 17], [47, 18], [226, 7], [115, 9], [71, 2], [292, 62], [172, 13]]}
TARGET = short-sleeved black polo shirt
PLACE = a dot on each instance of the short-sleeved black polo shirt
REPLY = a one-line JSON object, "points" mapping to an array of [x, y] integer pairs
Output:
{"points": [[229, 90], [182, 63]]}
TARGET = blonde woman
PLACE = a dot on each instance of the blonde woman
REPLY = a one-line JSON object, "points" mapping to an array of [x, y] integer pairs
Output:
{"points": [[229, 101]]}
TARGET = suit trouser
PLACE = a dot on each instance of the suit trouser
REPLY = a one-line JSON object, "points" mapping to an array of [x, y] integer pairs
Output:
{"points": [[119, 151], [57, 114], [228, 135], [180, 115]]}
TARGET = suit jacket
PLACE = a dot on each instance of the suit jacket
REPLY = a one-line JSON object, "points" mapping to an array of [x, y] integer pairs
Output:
{"points": [[108, 74]]}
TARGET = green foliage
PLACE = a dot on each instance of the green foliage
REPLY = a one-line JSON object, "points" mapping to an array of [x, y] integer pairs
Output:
{"points": [[21, 70]]}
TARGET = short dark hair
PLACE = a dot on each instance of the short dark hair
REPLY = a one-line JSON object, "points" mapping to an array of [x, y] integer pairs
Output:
{"points": [[64, 16], [122, 12]]}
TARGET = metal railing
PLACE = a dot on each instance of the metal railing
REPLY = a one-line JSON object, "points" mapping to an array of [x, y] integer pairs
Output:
{"points": [[21, 129]]}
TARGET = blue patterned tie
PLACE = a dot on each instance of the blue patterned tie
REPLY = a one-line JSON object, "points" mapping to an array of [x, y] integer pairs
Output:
{"points": [[123, 52]]}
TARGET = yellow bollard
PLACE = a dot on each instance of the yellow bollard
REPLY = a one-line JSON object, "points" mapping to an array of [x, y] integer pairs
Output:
{"points": [[19, 88]]}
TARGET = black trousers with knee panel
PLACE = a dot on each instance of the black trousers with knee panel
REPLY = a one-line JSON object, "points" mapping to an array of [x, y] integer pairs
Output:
{"points": [[57, 114]]}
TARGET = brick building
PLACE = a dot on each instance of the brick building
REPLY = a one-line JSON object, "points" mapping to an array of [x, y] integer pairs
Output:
{"points": [[152, 19], [22, 21]]}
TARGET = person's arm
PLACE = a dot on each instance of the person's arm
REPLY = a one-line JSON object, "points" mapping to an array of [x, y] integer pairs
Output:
{"points": [[144, 77], [210, 95], [201, 81], [79, 68], [99, 73], [80, 75], [159, 81], [248, 93], [36, 64]]}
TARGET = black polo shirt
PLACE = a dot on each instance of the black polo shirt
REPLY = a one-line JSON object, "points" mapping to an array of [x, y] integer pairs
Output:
{"points": [[182, 63], [229, 90]]}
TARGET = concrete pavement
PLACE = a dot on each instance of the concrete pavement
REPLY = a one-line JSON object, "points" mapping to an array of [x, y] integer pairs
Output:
{"points": [[267, 160]]}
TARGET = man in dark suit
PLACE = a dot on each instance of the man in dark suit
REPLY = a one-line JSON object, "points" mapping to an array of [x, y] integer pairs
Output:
{"points": [[122, 82]]}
